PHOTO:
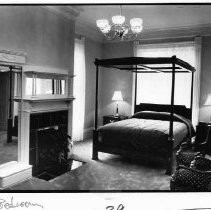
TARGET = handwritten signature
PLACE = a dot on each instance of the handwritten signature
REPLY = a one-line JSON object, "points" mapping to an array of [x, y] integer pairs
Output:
{"points": [[120, 207], [4, 204]]}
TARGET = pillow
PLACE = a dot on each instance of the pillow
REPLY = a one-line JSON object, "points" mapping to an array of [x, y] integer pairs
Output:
{"points": [[155, 115], [165, 116]]}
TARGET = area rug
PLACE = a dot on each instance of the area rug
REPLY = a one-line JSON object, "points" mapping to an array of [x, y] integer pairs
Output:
{"points": [[109, 173], [114, 173]]}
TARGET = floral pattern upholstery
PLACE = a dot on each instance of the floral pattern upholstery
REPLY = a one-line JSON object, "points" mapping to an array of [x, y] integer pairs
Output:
{"points": [[193, 172], [186, 154], [189, 179]]}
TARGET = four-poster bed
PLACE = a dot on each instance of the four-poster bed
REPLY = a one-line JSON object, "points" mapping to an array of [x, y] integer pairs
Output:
{"points": [[175, 117]]}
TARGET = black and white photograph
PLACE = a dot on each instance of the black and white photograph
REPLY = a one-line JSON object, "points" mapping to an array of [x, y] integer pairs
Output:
{"points": [[110, 101]]}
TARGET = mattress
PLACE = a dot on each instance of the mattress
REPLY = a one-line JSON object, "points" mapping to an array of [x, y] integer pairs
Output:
{"points": [[137, 134]]}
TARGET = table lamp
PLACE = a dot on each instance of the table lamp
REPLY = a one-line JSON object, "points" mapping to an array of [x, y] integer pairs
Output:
{"points": [[208, 102], [117, 97]]}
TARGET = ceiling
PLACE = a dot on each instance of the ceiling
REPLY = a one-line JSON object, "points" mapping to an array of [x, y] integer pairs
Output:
{"points": [[158, 20]]}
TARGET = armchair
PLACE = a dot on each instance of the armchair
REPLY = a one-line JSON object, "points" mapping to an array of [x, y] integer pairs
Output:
{"points": [[197, 177], [193, 172]]}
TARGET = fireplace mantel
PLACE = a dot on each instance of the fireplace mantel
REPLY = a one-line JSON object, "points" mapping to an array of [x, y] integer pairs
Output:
{"points": [[44, 100]]}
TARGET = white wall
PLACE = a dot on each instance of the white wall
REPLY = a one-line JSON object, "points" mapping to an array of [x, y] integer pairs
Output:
{"points": [[116, 80], [92, 50]]}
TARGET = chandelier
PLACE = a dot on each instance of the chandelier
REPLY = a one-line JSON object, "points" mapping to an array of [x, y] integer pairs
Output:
{"points": [[118, 29]]}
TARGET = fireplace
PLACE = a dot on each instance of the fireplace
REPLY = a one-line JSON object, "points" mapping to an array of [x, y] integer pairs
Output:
{"points": [[45, 109], [49, 143]]}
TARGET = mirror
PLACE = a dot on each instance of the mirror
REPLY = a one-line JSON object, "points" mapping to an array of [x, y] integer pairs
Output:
{"points": [[44, 85]]}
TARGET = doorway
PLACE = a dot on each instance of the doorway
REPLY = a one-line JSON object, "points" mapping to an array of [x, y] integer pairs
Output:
{"points": [[4, 100], [9, 88]]}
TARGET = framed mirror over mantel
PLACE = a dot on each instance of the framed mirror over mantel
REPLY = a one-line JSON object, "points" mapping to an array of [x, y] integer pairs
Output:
{"points": [[42, 84], [46, 85]]}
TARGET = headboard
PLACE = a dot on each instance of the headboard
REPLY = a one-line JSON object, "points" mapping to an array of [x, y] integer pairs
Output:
{"points": [[178, 109]]}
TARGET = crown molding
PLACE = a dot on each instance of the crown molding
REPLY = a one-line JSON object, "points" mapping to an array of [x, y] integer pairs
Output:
{"points": [[68, 12], [81, 28], [8, 56], [198, 30], [89, 31]]}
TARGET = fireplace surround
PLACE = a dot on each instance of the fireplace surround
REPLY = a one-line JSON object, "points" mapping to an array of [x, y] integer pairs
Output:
{"points": [[49, 142], [37, 114]]}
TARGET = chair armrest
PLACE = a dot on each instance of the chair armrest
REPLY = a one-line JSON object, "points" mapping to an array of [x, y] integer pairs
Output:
{"points": [[190, 179], [202, 147], [201, 163], [184, 147]]}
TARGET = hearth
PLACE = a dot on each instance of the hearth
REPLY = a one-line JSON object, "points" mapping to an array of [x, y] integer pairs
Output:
{"points": [[50, 175]]}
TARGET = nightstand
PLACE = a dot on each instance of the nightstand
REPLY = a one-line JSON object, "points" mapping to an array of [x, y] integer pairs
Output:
{"points": [[111, 118], [202, 131]]}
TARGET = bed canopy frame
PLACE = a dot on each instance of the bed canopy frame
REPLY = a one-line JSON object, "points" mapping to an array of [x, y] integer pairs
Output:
{"points": [[138, 65]]}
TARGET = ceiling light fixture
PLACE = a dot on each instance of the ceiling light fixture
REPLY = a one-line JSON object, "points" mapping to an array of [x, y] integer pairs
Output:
{"points": [[118, 29]]}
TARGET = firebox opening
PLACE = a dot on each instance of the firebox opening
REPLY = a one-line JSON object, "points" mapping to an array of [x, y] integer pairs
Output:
{"points": [[49, 144]]}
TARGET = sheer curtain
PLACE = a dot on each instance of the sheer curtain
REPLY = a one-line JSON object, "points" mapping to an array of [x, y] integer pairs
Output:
{"points": [[156, 87], [79, 90]]}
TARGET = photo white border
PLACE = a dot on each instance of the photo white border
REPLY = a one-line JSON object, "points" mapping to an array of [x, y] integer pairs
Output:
{"points": [[100, 201]]}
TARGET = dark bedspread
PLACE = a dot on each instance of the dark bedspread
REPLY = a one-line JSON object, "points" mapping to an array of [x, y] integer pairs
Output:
{"points": [[137, 134]]}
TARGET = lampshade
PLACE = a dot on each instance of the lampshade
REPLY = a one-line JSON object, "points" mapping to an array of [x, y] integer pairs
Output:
{"points": [[136, 22], [136, 25], [118, 19], [208, 100], [117, 96], [106, 29], [102, 23]]}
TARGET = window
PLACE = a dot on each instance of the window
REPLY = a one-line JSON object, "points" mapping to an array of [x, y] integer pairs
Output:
{"points": [[156, 87]]}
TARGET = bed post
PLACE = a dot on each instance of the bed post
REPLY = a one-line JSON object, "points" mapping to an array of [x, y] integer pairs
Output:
{"points": [[170, 138], [135, 92], [191, 99], [95, 132], [10, 117]]}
